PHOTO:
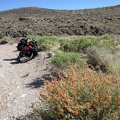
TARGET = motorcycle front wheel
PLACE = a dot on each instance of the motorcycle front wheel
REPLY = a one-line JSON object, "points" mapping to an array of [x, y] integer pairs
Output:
{"points": [[25, 58]]}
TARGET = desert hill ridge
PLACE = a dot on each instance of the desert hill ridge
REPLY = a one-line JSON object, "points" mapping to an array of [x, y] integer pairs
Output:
{"points": [[41, 21]]}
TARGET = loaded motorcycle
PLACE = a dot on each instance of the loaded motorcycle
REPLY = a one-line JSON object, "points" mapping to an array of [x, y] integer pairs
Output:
{"points": [[28, 50]]}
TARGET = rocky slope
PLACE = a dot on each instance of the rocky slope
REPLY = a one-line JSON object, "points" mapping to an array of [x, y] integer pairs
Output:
{"points": [[39, 21]]}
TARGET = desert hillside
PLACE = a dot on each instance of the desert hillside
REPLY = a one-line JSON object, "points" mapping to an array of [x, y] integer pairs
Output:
{"points": [[40, 21]]}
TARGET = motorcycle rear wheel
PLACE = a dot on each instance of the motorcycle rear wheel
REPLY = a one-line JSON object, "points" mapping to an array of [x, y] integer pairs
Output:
{"points": [[23, 59]]}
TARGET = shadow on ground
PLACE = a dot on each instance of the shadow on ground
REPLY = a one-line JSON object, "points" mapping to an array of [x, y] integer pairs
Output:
{"points": [[36, 83], [12, 60], [39, 82], [35, 116]]}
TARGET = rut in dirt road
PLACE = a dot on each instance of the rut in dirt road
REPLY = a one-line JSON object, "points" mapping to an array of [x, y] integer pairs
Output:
{"points": [[17, 81]]}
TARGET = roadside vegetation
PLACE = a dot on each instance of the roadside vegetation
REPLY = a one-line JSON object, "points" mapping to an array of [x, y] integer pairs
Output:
{"points": [[87, 88], [83, 94], [102, 51]]}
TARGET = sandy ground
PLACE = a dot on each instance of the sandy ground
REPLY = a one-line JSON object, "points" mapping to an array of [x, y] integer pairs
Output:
{"points": [[17, 81]]}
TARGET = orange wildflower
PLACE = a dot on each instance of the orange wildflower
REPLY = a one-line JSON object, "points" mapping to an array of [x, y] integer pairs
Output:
{"points": [[65, 105], [41, 94], [39, 116], [83, 74], [61, 110], [74, 91], [43, 91], [88, 104], [76, 112], [116, 100], [66, 92], [101, 79], [73, 79], [106, 102], [85, 65], [71, 71], [96, 83], [68, 77], [76, 69], [119, 97], [106, 97], [68, 108], [97, 95], [62, 94]]}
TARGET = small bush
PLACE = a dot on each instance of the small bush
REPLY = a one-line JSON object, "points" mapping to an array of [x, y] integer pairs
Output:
{"points": [[114, 64], [98, 57], [83, 95], [105, 37], [104, 58], [7, 39], [47, 42], [66, 59], [108, 41]]}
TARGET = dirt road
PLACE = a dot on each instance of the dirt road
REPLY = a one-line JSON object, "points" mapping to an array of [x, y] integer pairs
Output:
{"points": [[17, 82]]}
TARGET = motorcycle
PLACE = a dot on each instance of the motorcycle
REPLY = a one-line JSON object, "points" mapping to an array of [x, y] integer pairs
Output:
{"points": [[28, 52]]}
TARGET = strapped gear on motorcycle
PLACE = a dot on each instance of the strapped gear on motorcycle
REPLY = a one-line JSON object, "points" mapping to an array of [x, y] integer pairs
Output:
{"points": [[22, 44]]}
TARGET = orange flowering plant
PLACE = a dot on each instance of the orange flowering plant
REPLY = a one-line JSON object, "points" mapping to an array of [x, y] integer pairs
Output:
{"points": [[83, 94]]}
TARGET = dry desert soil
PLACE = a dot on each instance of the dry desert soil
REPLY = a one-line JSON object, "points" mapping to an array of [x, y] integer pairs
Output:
{"points": [[19, 82]]}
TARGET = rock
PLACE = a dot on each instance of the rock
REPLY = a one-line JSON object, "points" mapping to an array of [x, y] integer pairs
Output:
{"points": [[3, 42], [50, 54]]}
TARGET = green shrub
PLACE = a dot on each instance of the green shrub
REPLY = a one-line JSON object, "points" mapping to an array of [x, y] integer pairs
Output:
{"points": [[65, 59], [77, 44]]}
